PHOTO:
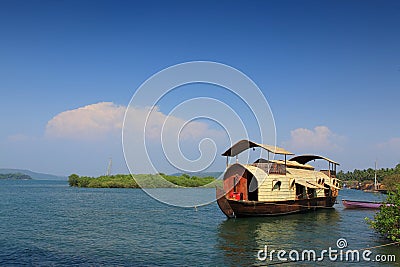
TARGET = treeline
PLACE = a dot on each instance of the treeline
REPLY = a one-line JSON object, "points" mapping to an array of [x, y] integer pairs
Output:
{"points": [[368, 174], [145, 180], [14, 176], [389, 177]]}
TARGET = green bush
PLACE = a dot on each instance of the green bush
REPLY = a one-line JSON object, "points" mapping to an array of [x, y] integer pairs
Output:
{"points": [[387, 220], [146, 180], [391, 182], [73, 180]]}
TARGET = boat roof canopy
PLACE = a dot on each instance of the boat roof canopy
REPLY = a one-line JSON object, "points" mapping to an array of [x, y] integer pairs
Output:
{"points": [[303, 159], [242, 145]]}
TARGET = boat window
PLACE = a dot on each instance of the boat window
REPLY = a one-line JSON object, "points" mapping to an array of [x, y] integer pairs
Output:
{"points": [[328, 192], [311, 193], [336, 182], [276, 185], [301, 191], [291, 183]]}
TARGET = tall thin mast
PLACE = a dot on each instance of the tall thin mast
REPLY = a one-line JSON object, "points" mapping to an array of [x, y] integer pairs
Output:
{"points": [[375, 177], [109, 167]]}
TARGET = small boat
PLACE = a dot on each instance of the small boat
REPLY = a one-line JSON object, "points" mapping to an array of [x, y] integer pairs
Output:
{"points": [[354, 204], [271, 187]]}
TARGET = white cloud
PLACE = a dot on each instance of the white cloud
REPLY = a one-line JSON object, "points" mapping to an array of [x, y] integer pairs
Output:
{"points": [[90, 122], [321, 138], [97, 121], [100, 126], [171, 142]]}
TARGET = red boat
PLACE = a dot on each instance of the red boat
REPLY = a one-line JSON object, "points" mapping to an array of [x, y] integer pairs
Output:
{"points": [[353, 204]]}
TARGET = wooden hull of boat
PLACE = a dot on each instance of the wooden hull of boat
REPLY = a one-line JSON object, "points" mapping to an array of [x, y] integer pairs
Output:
{"points": [[239, 208], [352, 204]]}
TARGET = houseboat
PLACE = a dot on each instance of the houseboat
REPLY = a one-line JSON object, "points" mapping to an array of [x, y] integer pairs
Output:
{"points": [[270, 187]]}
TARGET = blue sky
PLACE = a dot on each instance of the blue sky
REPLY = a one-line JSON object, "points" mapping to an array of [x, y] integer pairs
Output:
{"points": [[330, 71]]}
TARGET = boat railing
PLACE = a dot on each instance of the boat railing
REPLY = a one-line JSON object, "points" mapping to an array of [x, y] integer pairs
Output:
{"points": [[272, 167], [329, 173]]}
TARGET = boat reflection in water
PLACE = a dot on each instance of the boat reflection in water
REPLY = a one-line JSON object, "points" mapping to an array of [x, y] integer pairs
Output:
{"points": [[239, 240]]}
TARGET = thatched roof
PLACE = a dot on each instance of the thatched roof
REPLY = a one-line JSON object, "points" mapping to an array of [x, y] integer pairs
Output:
{"points": [[258, 173], [242, 145], [303, 159]]}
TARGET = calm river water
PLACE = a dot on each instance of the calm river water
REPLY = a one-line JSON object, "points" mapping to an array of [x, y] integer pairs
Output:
{"points": [[47, 223]]}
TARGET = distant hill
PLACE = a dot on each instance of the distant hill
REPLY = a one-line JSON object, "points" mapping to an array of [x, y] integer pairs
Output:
{"points": [[200, 174], [34, 175], [14, 176]]}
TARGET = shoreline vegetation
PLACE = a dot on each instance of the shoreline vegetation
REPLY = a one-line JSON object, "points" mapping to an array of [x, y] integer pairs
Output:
{"points": [[387, 220], [388, 178], [160, 180], [14, 176]]}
